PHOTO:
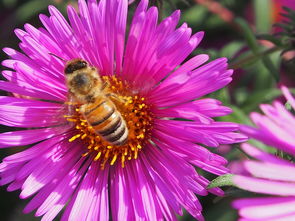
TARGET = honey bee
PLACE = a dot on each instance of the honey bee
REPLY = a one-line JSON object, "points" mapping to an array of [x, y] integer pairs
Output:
{"points": [[86, 88]]}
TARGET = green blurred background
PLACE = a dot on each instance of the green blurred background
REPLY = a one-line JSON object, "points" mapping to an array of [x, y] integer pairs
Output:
{"points": [[232, 28]]}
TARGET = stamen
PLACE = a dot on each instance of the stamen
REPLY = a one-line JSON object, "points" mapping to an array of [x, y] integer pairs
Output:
{"points": [[74, 137], [114, 159], [97, 156], [123, 161]]}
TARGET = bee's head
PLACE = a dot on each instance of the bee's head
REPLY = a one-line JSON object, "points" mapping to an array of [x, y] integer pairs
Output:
{"points": [[75, 65], [82, 79], [77, 76]]}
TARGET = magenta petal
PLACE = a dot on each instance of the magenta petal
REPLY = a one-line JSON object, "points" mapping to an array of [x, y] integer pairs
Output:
{"points": [[182, 191], [164, 189], [258, 185], [9, 175], [195, 154], [147, 205], [199, 110], [33, 152], [266, 208], [64, 189], [39, 178], [99, 207], [50, 67], [120, 196], [83, 36], [26, 91], [284, 142], [196, 83], [80, 205], [24, 137], [91, 197], [209, 134], [121, 19], [27, 113], [42, 36], [263, 156], [271, 170], [270, 174]]}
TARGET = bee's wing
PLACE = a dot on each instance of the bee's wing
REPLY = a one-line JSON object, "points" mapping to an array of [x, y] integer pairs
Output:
{"points": [[65, 115]]}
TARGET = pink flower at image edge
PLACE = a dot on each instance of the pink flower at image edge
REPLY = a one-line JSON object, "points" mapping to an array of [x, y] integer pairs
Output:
{"points": [[269, 174]]}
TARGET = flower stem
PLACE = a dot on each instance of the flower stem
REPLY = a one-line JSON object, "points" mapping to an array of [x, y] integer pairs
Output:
{"points": [[253, 57]]}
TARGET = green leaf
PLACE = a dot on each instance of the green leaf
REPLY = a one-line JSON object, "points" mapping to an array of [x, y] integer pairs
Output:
{"points": [[259, 97], [274, 71], [195, 15], [248, 35], [237, 116], [231, 49], [222, 95], [262, 10], [240, 115], [225, 180], [261, 145]]}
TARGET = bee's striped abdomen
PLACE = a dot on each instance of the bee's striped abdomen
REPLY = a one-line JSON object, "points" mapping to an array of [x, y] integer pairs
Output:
{"points": [[107, 121]]}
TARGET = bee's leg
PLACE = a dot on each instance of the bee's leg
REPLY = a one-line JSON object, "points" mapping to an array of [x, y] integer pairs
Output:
{"points": [[104, 86], [116, 97], [70, 103], [70, 100]]}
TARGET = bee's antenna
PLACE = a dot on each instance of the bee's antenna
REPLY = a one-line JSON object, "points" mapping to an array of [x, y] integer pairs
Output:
{"points": [[57, 56]]}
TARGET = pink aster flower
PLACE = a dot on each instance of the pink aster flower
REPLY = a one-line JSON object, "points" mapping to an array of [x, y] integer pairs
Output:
{"points": [[151, 176], [266, 173]]}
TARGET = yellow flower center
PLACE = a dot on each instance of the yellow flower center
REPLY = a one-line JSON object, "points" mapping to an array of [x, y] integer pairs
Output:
{"points": [[135, 111]]}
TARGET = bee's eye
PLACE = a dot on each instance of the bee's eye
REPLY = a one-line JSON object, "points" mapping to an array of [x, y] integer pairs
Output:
{"points": [[69, 69], [75, 66]]}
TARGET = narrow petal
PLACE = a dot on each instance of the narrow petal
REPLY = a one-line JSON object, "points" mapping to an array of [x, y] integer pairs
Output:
{"points": [[27, 113], [64, 189], [271, 171], [27, 91], [258, 185], [266, 208], [121, 200], [203, 80], [34, 151], [55, 165], [25, 137], [263, 156]]}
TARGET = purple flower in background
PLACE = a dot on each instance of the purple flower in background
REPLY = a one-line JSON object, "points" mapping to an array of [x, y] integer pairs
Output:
{"points": [[152, 176], [267, 173]]}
